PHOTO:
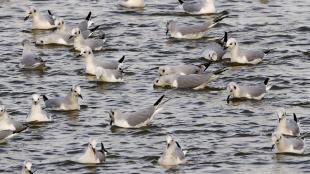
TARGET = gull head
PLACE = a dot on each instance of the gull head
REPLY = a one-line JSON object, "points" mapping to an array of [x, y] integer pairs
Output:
{"points": [[86, 51], [30, 13], [75, 33], [59, 22], [76, 90], [231, 43], [212, 56], [35, 99]]}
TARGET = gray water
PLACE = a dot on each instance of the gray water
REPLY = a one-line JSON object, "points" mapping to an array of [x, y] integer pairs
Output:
{"points": [[220, 137]]}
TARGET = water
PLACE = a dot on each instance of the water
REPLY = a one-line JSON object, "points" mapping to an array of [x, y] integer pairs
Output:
{"points": [[220, 138]]}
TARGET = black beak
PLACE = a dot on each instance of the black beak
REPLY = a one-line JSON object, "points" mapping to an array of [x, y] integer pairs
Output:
{"points": [[79, 55], [70, 37], [272, 147], [80, 96], [26, 18], [225, 47], [94, 150], [228, 98], [167, 31], [35, 102]]}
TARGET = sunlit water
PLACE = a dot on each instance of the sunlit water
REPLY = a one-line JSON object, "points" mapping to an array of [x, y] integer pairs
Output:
{"points": [[220, 137]]}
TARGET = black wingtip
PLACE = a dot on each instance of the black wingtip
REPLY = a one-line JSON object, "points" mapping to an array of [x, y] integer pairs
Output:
{"points": [[94, 29], [295, 118], [159, 100], [103, 149], [219, 71], [178, 144], [50, 13], [88, 16], [266, 81], [206, 65], [44, 97], [225, 37], [181, 2], [102, 36], [121, 60]]}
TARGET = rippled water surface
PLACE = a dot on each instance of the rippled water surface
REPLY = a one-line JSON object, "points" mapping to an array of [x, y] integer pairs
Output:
{"points": [[220, 137]]}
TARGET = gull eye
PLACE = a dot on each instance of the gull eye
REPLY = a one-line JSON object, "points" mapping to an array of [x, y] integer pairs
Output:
{"points": [[163, 70], [74, 90], [41, 41], [84, 52], [112, 112], [34, 10], [230, 43], [89, 52], [157, 81], [62, 22], [75, 33], [79, 32]]}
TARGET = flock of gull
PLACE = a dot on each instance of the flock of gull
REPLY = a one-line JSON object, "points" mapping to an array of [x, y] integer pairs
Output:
{"points": [[286, 137]]}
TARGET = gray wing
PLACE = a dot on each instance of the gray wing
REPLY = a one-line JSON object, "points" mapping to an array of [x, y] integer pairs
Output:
{"points": [[54, 103], [5, 133], [100, 155], [298, 144], [30, 60], [192, 7], [18, 126], [179, 153], [86, 33], [94, 43], [50, 19], [83, 26], [192, 80], [252, 55], [109, 64], [293, 126], [193, 29], [141, 116], [254, 91]]}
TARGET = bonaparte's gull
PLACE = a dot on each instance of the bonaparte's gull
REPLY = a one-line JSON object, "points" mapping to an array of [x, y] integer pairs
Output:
{"points": [[190, 81], [109, 75], [173, 154], [132, 3], [93, 156], [92, 63], [287, 126], [7, 123], [81, 42], [39, 21], [200, 7], [69, 102], [183, 69], [256, 92], [215, 50], [136, 119], [29, 59], [186, 31], [244, 56], [36, 113], [288, 144]]}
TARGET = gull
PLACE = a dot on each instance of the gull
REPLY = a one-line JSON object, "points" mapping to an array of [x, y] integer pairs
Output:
{"points": [[200, 7], [190, 81], [215, 50], [288, 144], [80, 42], [93, 156], [244, 56], [29, 59], [7, 123], [256, 92], [67, 103], [55, 38], [132, 3], [173, 154], [39, 21], [136, 119], [183, 69], [36, 113], [26, 169], [92, 63], [195, 31], [287, 126]]}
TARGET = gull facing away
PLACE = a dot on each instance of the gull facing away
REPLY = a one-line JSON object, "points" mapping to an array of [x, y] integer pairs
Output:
{"points": [[68, 103], [132, 3], [194, 31], [183, 69], [26, 169], [256, 92], [287, 126], [39, 21], [173, 154], [7, 123], [29, 59], [215, 50], [199, 7], [190, 81], [92, 63], [136, 119], [36, 113], [109, 75], [288, 144], [93, 156], [244, 56], [81, 42]]}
